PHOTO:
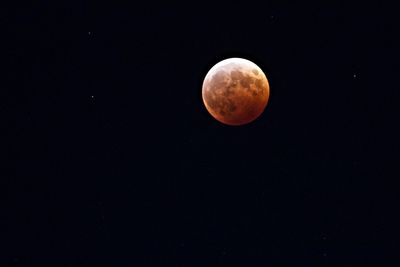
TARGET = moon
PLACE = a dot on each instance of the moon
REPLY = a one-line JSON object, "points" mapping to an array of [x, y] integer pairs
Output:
{"points": [[235, 91]]}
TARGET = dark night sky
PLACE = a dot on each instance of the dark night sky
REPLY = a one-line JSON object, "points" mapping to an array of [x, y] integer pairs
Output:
{"points": [[112, 159]]}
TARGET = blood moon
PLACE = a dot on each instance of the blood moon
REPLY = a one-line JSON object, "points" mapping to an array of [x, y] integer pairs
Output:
{"points": [[235, 91]]}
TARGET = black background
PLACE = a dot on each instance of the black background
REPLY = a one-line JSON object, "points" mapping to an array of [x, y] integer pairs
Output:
{"points": [[112, 159]]}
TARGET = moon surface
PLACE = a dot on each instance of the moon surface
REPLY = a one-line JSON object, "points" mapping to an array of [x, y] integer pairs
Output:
{"points": [[235, 91]]}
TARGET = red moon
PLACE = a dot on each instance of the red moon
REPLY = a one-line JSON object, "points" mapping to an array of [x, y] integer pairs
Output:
{"points": [[235, 91]]}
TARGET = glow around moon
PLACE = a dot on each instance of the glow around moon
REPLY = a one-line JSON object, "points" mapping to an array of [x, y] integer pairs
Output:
{"points": [[235, 91]]}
